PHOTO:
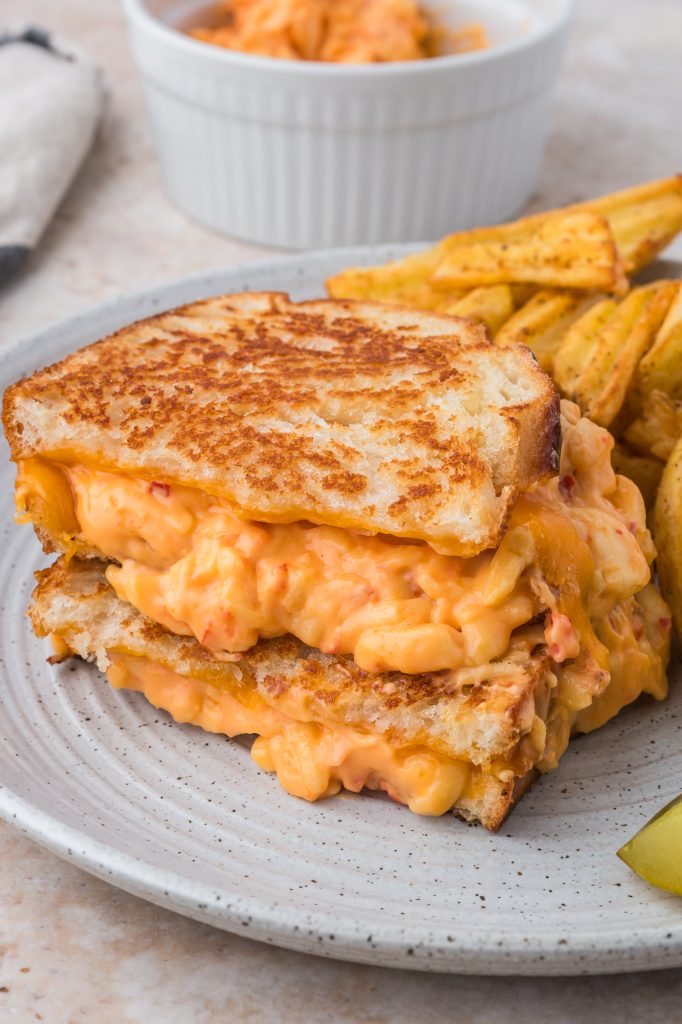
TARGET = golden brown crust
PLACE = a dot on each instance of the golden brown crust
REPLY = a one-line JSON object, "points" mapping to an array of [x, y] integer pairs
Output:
{"points": [[496, 803], [360, 415]]}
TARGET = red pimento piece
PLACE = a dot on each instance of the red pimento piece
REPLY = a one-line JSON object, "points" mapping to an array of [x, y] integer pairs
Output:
{"points": [[665, 622], [562, 638], [566, 485], [159, 490]]}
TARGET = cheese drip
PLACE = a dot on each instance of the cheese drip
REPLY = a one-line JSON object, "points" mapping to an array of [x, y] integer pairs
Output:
{"points": [[312, 759]]}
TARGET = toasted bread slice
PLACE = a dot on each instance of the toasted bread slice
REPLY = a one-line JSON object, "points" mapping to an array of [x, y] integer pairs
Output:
{"points": [[489, 724], [356, 415]]}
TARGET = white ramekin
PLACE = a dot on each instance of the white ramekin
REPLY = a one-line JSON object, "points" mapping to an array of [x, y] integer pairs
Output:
{"points": [[299, 154]]}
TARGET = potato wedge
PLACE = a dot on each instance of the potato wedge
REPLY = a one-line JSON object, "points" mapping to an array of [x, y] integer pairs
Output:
{"points": [[580, 343], [523, 293], [644, 219], [644, 471], [668, 534], [601, 389], [492, 305], [565, 248], [403, 282], [661, 368], [543, 322], [558, 250], [658, 427]]}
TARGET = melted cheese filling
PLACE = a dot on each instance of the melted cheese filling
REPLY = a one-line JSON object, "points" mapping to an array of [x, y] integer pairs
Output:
{"points": [[312, 760], [188, 562], [636, 635]]}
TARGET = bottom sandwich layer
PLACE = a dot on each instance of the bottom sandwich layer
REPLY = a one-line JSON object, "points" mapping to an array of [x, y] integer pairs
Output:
{"points": [[314, 759], [433, 742]]}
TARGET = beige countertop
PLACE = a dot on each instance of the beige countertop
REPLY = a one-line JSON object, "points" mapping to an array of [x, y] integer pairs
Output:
{"points": [[73, 949]]}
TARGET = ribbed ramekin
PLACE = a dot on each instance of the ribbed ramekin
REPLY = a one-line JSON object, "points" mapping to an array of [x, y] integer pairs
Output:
{"points": [[299, 154]]}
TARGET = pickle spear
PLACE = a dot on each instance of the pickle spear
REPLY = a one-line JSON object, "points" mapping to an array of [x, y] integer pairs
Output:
{"points": [[655, 853]]}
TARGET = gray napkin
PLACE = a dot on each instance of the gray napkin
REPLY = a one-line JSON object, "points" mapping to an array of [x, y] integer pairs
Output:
{"points": [[51, 101]]}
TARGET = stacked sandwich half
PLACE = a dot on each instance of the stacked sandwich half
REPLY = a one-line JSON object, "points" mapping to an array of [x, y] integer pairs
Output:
{"points": [[364, 534]]}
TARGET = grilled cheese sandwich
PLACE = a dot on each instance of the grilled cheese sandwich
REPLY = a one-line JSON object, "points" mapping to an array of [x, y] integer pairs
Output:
{"points": [[421, 542]]}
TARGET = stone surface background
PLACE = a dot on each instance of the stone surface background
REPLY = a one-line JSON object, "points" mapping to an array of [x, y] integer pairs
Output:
{"points": [[73, 949]]}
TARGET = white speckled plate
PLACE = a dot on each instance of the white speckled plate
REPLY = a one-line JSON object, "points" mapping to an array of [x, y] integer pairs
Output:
{"points": [[186, 820]]}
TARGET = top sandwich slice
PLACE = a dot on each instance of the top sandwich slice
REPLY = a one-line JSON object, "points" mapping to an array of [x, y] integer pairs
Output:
{"points": [[347, 414]]}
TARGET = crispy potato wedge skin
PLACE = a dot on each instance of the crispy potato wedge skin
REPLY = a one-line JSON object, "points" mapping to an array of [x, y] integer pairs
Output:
{"points": [[403, 282], [668, 530], [657, 428], [605, 238], [493, 305], [602, 387], [562, 250], [580, 343], [587, 246], [598, 357], [661, 368], [543, 322], [643, 219]]}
